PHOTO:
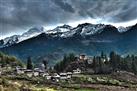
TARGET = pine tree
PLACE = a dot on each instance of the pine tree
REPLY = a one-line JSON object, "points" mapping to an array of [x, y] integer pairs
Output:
{"points": [[71, 57], [29, 63], [100, 65], [45, 63], [113, 60], [134, 65], [134, 68], [94, 64]]}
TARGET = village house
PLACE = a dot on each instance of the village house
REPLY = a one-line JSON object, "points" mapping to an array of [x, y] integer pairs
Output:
{"points": [[20, 70], [29, 73], [55, 77], [63, 76], [77, 71], [82, 57], [90, 59], [35, 73], [43, 74], [48, 77], [69, 75]]}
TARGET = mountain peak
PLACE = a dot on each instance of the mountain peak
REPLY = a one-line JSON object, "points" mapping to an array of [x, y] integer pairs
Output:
{"points": [[65, 26], [84, 24]]}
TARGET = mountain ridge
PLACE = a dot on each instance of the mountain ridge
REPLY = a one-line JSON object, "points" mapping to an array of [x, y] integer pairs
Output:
{"points": [[53, 46], [92, 29]]}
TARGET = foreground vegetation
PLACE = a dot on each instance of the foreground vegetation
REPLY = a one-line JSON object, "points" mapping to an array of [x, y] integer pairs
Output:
{"points": [[112, 82]]}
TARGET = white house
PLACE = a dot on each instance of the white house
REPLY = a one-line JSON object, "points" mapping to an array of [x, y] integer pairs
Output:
{"points": [[63, 76], [69, 75], [48, 77], [20, 70], [77, 71], [56, 77], [45, 74], [29, 73], [35, 73], [82, 57]]}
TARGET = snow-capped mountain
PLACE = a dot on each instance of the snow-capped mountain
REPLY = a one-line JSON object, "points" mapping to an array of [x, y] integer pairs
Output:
{"points": [[88, 29], [85, 38], [95, 31], [82, 29], [11, 40], [31, 33], [19, 38]]}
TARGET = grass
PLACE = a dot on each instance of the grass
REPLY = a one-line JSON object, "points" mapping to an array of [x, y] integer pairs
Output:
{"points": [[15, 83], [85, 89]]}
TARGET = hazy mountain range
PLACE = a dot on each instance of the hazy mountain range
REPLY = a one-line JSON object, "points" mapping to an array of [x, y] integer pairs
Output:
{"points": [[86, 38]]}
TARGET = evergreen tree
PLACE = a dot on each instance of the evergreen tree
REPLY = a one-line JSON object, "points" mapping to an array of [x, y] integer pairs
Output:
{"points": [[118, 62], [113, 62], [45, 63], [102, 55], [29, 63], [100, 65], [134, 67], [71, 57], [94, 64]]}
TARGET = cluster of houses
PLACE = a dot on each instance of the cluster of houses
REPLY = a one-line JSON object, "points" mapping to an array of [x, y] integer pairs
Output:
{"points": [[37, 72], [40, 72]]}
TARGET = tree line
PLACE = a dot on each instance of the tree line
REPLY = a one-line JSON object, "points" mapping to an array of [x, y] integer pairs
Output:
{"points": [[103, 64], [67, 59], [9, 60]]}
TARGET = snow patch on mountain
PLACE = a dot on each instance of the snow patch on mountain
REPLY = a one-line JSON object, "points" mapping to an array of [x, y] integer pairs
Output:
{"points": [[18, 38], [92, 29], [11, 40], [122, 29], [59, 29], [31, 33]]}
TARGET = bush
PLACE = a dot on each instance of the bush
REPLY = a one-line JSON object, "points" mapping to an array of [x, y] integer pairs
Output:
{"points": [[5, 82], [114, 82]]}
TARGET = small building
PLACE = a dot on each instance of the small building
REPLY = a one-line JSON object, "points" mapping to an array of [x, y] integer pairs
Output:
{"points": [[69, 75], [35, 73], [82, 57], [56, 77], [29, 73], [77, 71], [20, 70], [44, 74], [90, 60], [63, 76], [48, 77]]}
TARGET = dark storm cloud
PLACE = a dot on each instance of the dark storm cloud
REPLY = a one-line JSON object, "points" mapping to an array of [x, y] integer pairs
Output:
{"points": [[64, 5], [111, 10], [18, 15]]}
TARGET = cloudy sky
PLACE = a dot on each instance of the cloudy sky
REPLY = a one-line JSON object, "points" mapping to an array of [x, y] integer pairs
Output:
{"points": [[17, 16]]}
